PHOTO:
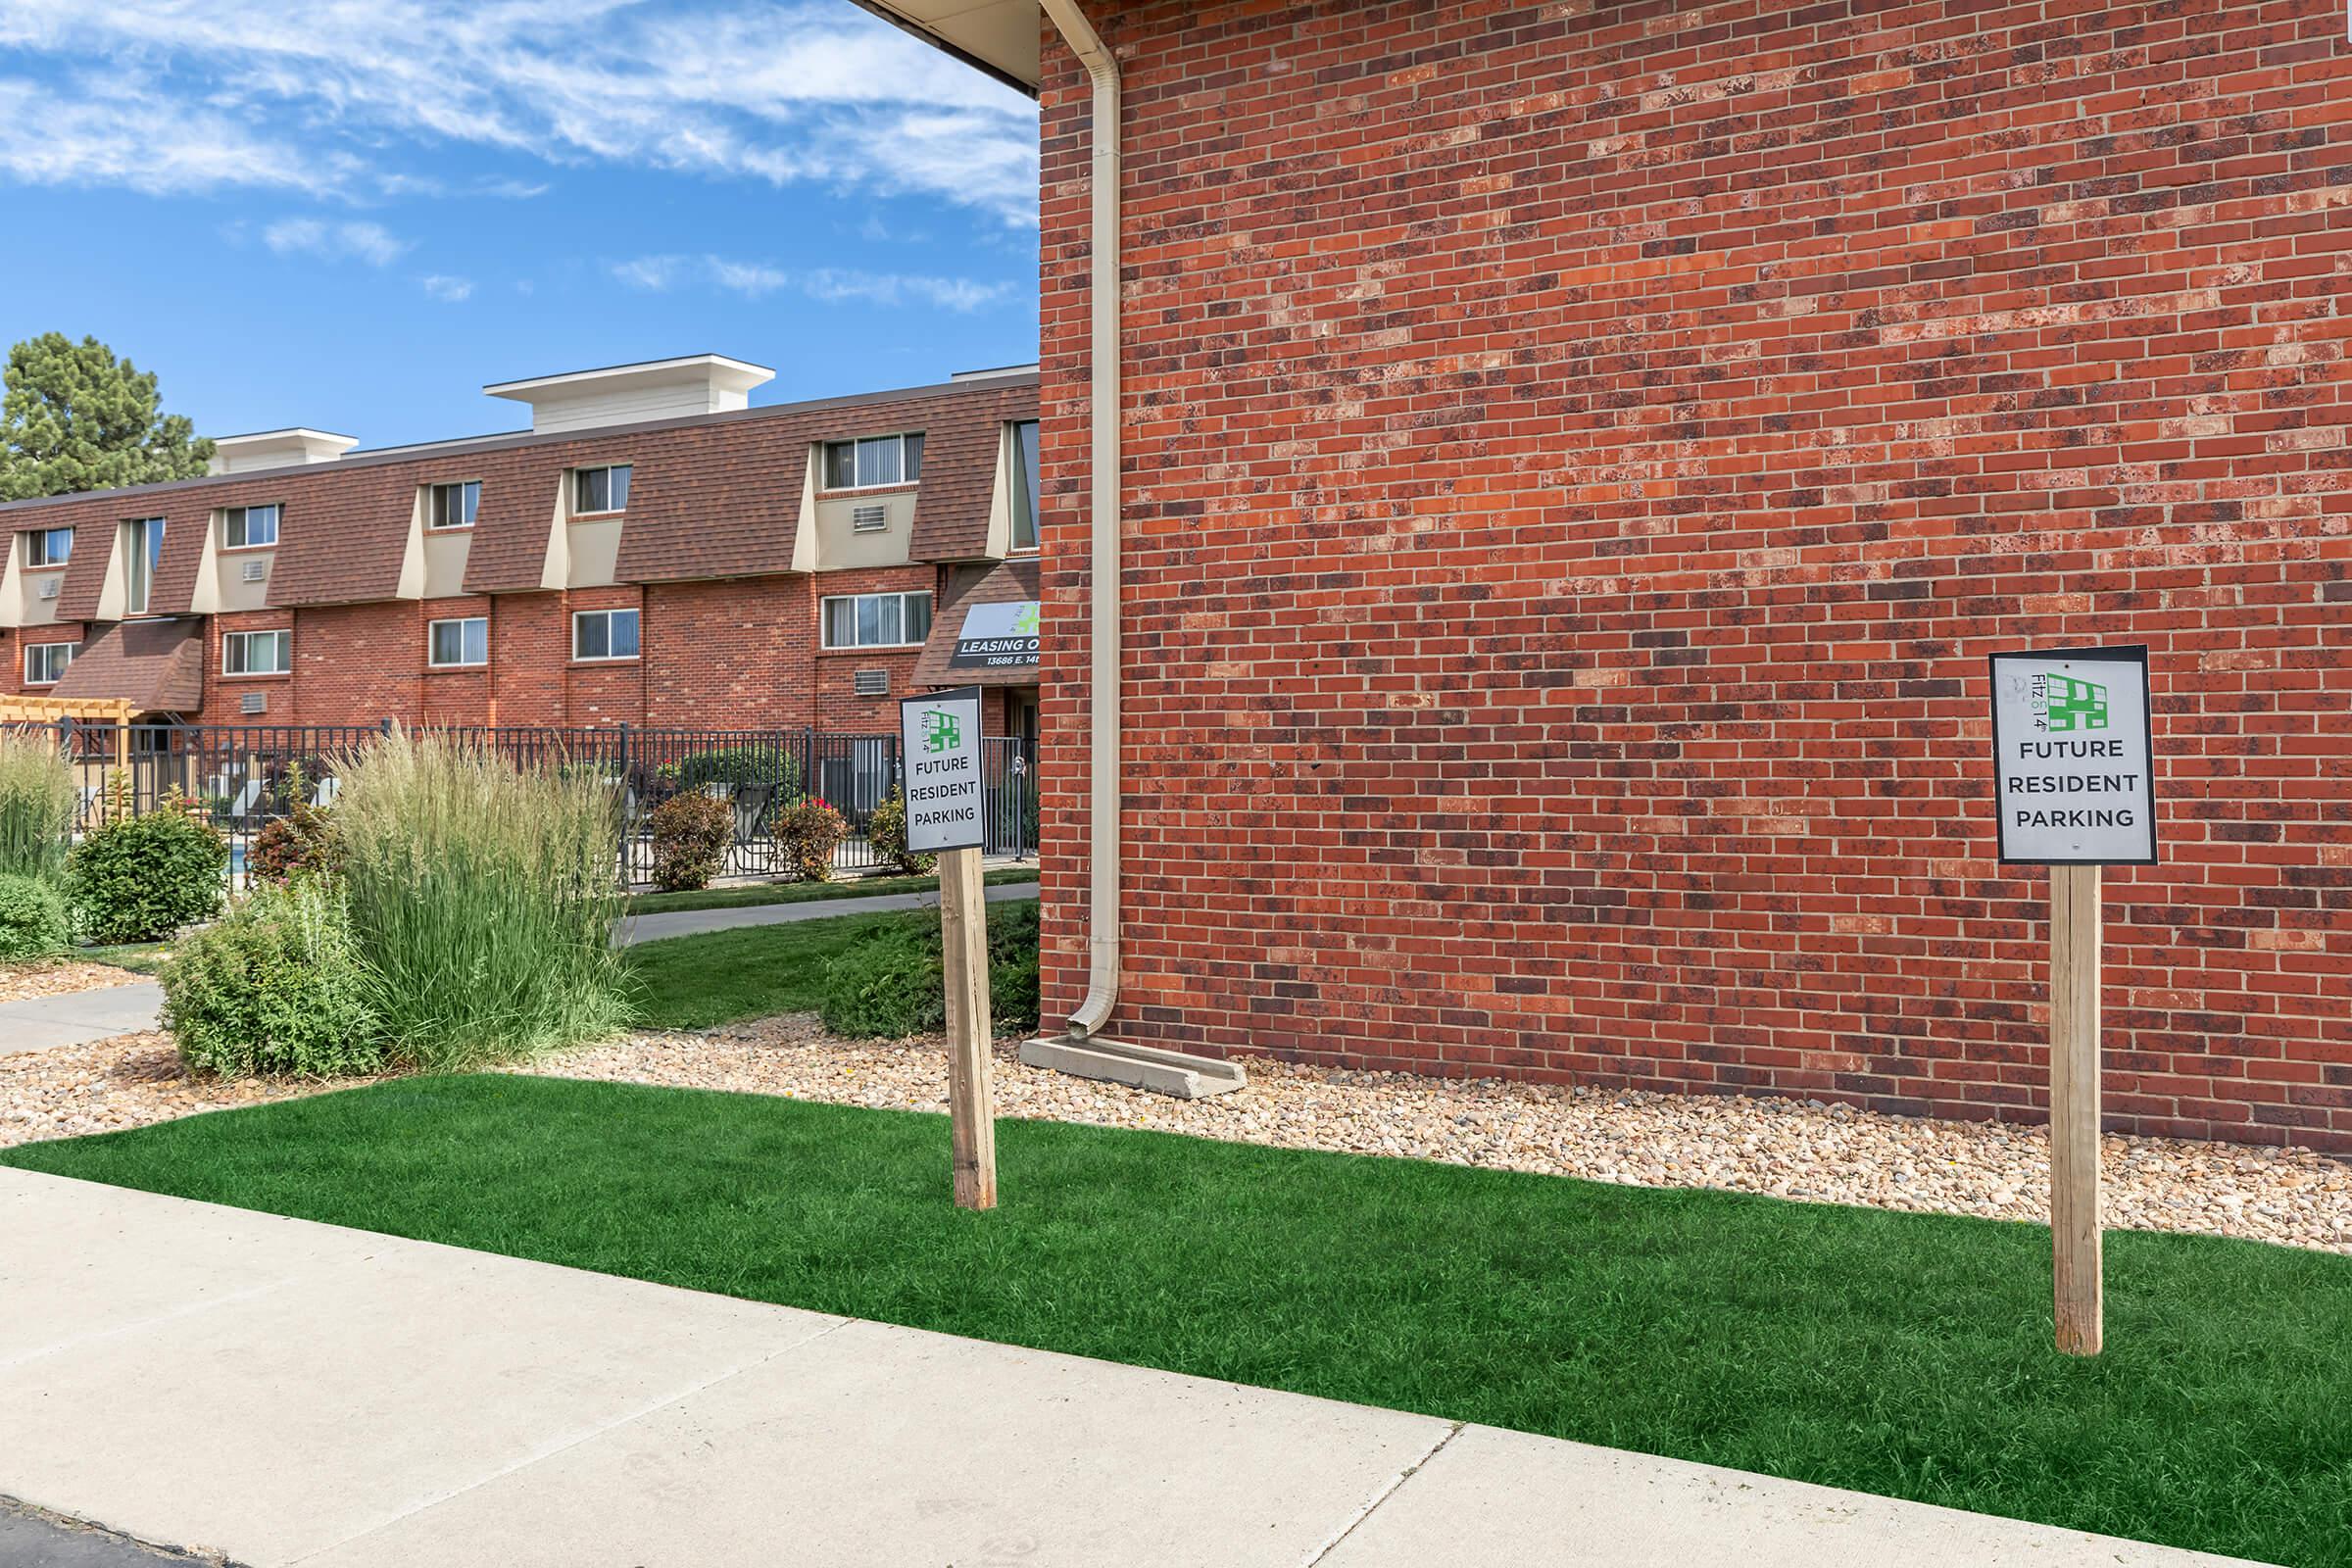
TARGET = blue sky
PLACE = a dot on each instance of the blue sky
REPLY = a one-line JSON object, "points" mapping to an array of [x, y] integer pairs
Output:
{"points": [[353, 214]]}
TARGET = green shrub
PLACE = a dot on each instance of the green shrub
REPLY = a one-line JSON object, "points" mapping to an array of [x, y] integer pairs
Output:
{"points": [[37, 804], [691, 835], [274, 988], [482, 898], [33, 919], [141, 878], [754, 763], [305, 839], [1013, 966], [894, 984], [886, 831], [810, 830]]}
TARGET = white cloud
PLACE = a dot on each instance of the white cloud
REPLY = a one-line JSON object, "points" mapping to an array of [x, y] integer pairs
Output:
{"points": [[349, 97], [652, 273], [90, 136], [448, 290], [746, 277], [354, 240], [829, 284]]}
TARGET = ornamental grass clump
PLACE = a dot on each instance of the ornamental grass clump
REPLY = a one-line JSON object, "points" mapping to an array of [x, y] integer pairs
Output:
{"points": [[481, 900], [36, 805]]}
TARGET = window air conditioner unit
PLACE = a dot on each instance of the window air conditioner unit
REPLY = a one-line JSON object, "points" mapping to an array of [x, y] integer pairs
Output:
{"points": [[254, 703], [873, 683], [867, 519], [50, 585], [257, 570]]}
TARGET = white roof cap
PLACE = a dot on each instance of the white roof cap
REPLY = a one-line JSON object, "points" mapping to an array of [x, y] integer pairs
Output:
{"points": [[277, 448], [625, 394]]}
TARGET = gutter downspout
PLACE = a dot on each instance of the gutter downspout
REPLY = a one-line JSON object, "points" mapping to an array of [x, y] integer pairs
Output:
{"points": [[1104, 519]]}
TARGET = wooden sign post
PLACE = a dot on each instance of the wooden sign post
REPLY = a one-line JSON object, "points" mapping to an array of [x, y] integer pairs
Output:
{"points": [[2076, 791], [939, 742]]}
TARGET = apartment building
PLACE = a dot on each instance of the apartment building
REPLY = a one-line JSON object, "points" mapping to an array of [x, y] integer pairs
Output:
{"points": [[1577, 460], [652, 551]]}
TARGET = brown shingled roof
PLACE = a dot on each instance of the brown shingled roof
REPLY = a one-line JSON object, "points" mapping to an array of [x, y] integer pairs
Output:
{"points": [[157, 666], [1007, 582], [714, 495]]}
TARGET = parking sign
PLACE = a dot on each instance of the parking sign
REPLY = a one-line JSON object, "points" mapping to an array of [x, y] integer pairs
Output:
{"points": [[939, 736], [2075, 773]]}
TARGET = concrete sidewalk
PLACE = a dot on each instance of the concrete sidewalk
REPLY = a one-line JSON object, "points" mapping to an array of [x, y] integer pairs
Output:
{"points": [[694, 922], [39, 1023], [293, 1392]]}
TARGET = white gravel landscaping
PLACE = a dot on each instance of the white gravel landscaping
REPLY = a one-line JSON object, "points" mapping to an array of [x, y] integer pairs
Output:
{"points": [[1788, 1149]]}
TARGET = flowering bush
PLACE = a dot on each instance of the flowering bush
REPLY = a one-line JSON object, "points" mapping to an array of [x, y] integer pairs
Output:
{"points": [[886, 831], [304, 839], [811, 830], [691, 834]]}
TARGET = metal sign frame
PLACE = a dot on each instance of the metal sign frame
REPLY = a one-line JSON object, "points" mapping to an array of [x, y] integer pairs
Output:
{"points": [[2128, 654], [909, 749]]}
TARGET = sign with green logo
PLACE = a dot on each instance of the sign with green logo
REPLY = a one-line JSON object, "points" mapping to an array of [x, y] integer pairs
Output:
{"points": [[940, 736], [2074, 770], [999, 635]]}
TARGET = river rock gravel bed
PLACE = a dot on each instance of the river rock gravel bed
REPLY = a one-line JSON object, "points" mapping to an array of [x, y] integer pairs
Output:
{"points": [[127, 1081], [1785, 1148]]}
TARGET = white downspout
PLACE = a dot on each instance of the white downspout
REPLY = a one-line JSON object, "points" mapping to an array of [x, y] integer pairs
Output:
{"points": [[1104, 525]]}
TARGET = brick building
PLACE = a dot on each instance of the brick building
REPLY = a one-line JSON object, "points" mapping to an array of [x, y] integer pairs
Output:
{"points": [[1577, 459], [653, 552]]}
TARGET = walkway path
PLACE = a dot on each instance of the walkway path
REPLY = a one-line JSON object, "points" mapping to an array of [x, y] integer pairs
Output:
{"points": [[37, 1023], [693, 922], [292, 1392]]}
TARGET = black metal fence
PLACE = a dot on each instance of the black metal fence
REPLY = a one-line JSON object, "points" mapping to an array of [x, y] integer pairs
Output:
{"points": [[244, 776]]}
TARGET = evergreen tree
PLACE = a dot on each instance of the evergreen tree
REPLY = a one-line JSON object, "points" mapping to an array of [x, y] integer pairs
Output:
{"points": [[74, 417]]}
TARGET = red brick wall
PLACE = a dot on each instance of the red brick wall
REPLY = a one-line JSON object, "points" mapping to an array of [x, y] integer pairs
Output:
{"points": [[337, 684], [839, 709], [455, 694], [14, 640], [1578, 457], [730, 655], [600, 693]]}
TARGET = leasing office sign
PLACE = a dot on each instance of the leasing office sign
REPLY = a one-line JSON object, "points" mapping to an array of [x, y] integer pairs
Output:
{"points": [[2076, 778], [997, 636]]}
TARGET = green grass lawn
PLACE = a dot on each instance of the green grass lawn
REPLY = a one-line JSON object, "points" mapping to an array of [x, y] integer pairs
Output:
{"points": [[866, 887], [140, 958], [1902, 1354], [700, 982]]}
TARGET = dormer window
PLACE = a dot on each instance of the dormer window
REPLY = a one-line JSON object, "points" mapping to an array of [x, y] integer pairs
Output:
{"points": [[248, 527], [48, 547], [1024, 485], [453, 506], [873, 461], [600, 490], [142, 555]]}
